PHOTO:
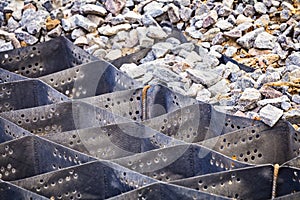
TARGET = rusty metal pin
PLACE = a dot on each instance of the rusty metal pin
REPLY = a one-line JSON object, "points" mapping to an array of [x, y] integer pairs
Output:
{"points": [[275, 176], [144, 101]]}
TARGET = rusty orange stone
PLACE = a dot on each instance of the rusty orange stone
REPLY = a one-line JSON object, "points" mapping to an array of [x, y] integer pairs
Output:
{"points": [[23, 44], [51, 23], [7, 16]]}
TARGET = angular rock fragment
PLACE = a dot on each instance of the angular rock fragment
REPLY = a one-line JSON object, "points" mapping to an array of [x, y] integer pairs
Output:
{"points": [[93, 9], [241, 19], [231, 51], [292, 116], [193, 32], [249, 99], [224, 25], [173, 13], [133, 70], [12, 24], [154, 9], [275, 102], [113, 54], [296, 98], [85, 23], [219, 39], [165, 74], [194, 89], [233, 33], [210, 34], [185, 13], [265, 40], [270, 114], [6, 46], [69, 24], [285, 106], [260, 7], [221, 87], [210, 19], [161, 49], [247, 40], [156, 32], [224, 11], [26, 37], [269, 92], [207, 78], [55, 32], [115, 6], [203, 95], [293, 59], [81, 41], [113, 30]]}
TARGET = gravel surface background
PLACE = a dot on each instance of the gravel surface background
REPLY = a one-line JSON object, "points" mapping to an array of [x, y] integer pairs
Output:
{"points": [[265, 36]]}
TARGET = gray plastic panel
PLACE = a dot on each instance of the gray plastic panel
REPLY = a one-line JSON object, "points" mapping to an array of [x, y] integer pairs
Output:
{"points": [[165, 191], [31, 155], [93, 78], [10, 131], [178, 162], [10, 191], [33, 93], [7, 76], [62, 117], [159, 101], [44, 58], [95, 180], [259, 144], [114, 141]]}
